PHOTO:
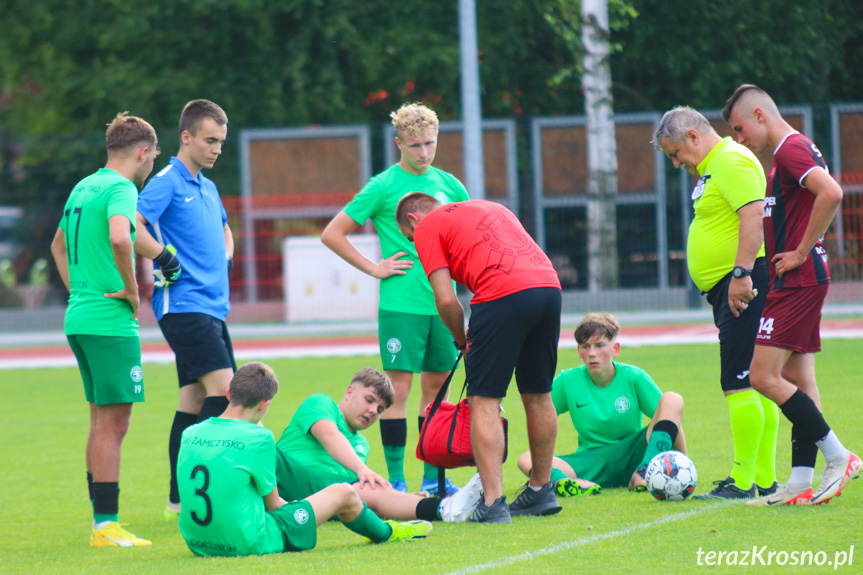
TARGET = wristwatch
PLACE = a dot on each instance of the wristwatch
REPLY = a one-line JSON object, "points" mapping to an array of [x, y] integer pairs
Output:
{"points": [[740, 272]]}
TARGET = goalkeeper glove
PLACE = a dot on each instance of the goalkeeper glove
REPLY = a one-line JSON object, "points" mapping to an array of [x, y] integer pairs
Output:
{"points": [[170, 270]]}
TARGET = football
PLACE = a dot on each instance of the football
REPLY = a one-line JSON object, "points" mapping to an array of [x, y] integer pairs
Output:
{"points": [[671, 476]]}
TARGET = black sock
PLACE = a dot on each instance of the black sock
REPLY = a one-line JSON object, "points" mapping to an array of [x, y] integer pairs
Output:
{"points": [[90, 485], [803, 453], [428, 509], [182, 420], [668, 427], [106, 498], [394, 432], [804, 415], [213, 406]]}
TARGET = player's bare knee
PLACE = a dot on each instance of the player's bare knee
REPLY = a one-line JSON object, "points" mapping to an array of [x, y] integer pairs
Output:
{"points": [[525, 463], [672, 401]]}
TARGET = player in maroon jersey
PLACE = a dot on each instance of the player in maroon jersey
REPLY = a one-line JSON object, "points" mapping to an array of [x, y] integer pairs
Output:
{"points": [[801, 201]]}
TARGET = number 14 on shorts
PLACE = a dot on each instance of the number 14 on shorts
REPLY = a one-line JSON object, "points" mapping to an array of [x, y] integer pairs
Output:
{"points": [[766, 326]]}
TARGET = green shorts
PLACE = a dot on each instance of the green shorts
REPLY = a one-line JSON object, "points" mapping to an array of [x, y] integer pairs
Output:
{"points": [[415, 343], [610, 465], [110, 367], [296, 521]]}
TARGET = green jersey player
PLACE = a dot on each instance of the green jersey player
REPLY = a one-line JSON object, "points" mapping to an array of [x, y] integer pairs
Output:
{"points": [[93, 251], [411, 336], [226, 474], [606, 400], [322, 446]]}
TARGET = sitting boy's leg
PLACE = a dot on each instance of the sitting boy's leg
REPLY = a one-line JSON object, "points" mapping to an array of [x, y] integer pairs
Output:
{"points": [[389, 503], [566, 481], [664, 433], [341, 499]]}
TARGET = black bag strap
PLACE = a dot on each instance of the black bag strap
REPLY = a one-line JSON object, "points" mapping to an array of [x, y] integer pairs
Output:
{"points": [[438, 400], [443, 388]]}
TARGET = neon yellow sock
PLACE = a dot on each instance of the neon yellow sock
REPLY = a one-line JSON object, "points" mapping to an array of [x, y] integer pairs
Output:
{"points": [[765, 466], [747, 426]]}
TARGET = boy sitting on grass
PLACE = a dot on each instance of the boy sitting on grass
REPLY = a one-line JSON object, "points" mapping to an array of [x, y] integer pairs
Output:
{"points": [[321, 446], [606, 400], [227, 480]]}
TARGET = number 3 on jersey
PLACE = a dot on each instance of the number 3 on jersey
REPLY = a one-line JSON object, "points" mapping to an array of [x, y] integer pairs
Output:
{"points": [[202, 493], [766, 325]]}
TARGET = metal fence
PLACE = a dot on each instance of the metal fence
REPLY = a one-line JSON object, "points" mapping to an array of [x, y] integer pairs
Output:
{"points": [[292, 181]]}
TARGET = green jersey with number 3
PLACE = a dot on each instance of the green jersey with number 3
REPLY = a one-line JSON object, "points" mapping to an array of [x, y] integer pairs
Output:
{"points": [[224, 470], [92, 271]]}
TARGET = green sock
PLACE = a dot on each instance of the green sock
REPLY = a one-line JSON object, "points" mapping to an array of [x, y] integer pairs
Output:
{"points": [[100, 517], [557, 475], [765, 466], [370, 525], [659, 441], [429, 471], [747, 427], [395, 456]]}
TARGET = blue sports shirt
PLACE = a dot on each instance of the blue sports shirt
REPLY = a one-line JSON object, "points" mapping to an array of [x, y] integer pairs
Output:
{"points": [[189, 215]]}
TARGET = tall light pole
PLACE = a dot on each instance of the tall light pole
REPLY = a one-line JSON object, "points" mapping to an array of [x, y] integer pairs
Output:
{"points": [[471, 108]]}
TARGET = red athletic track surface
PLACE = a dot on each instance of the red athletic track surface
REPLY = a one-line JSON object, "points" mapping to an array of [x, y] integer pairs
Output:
{"points": [[14, 357]]}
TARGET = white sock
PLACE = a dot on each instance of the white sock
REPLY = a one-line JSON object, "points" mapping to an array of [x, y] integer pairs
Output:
{"points": [[102, 524], [801, 476], [833, 450], [534, 488]]}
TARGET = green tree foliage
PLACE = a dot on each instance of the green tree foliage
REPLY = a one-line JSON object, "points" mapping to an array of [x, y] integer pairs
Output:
{"points": [[67, 67], [696, 52]]}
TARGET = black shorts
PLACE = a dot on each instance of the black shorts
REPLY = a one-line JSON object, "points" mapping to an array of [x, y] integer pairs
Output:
{"points": [[518, 332], [737, 334], [200, 343]]}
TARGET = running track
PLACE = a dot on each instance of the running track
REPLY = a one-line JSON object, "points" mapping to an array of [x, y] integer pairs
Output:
{"points": [[57, 354]]}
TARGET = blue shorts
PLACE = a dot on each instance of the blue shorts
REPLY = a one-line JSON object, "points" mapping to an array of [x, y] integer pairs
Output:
{"points": [[200, 342], [517, 332]]}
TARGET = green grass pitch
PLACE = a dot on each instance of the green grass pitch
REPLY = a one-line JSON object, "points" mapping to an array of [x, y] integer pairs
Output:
{"points": [[45, 512]]}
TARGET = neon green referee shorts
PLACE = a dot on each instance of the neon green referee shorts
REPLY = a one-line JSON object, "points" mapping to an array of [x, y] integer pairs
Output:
{"points": [[610, 465], [110, 367]]}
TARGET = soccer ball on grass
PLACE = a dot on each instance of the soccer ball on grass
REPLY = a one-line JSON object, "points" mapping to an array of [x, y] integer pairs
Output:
{"points": [[671, 476]]}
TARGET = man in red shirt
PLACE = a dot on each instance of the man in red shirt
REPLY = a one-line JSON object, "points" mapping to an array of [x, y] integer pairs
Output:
{"points": [[514, 325], [802, 199]]}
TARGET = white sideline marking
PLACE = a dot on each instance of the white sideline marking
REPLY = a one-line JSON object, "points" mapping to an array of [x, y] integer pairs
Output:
{"points": [[557, 547], [691, 335], [244, 354]]}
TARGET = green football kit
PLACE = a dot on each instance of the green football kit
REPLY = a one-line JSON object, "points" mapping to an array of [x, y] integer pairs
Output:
{"points": [[611, 431], [100, 330], [411, 336], [409, 293], [303, 465], [224, 470], [732, 177]]}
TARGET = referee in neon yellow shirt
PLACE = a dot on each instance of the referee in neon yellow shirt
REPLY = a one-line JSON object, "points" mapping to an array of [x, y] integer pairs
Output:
{"points": [[725, 255]]}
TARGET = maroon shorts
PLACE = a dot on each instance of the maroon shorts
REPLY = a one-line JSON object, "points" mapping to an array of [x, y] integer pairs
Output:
{"points": [[792, 319]]}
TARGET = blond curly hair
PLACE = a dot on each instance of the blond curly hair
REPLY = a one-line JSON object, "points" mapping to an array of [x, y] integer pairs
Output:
{"points": [[414, 120]]}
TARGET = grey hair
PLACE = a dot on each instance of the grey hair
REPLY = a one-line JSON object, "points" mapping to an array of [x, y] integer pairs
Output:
{"points": [[676, 122]]}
